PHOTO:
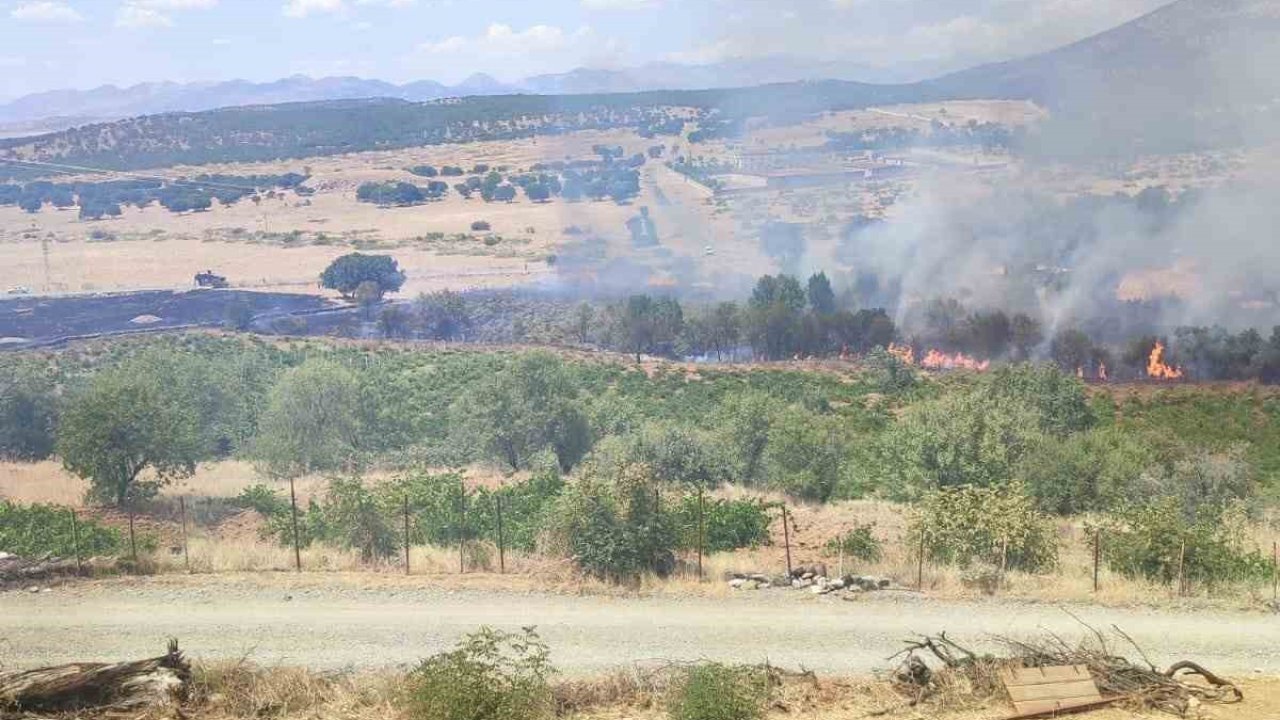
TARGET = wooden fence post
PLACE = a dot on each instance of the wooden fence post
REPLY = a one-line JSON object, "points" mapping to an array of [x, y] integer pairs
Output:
{"points": [[1182, 578], [1275, 573], [920, 562], [297, 541], [407, 541], [462, 532], [1097, 556], [701, 531], [75, 541], [133, 540], [182, 509], [786, 538], [502, 540]]}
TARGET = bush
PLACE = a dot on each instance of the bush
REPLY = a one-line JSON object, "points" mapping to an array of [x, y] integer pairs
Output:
{"points": [[264, 499], [1152, 540], [726, 524], [859, 543], [612, 528], [34, 531], [712, 691], [995, 526], [480, 226], [489, 675]]}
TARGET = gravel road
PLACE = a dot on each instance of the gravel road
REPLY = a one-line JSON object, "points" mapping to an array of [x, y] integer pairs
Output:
{"points": [[322, 626]]}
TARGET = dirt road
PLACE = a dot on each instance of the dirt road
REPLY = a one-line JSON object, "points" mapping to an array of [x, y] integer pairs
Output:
{"points": [[335, 625]]}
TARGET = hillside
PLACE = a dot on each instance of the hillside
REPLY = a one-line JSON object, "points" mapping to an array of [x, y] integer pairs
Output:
{"points": [[1190, 74], [299, 130]]}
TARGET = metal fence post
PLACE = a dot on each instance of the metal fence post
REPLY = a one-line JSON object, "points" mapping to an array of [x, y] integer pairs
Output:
{"points": [[701, 531], [406, 534]]}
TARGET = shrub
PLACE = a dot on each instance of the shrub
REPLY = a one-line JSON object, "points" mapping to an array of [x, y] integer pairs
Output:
{"points": [[345, 274], [262, 498], [726, 524], [480, 226], [997, 526], [489, 675], [1154, 539], [612, 527], [712, 691], [35, 531], [859, 543]]}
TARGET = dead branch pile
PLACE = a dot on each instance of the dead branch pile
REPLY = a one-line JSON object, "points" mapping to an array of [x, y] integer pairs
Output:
{"points": [[97, 686], [1173, 690], [938, 669]]}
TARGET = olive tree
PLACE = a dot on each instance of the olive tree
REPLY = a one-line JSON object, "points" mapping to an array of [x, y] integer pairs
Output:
{"points": [[124, 421]]}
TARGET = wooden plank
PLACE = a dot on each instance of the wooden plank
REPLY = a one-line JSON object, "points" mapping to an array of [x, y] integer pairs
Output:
{"points": [[1050, 691], [1036, 691], [1055, 710]]}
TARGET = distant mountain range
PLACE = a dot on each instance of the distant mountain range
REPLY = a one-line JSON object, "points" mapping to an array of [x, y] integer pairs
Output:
{"points": [[59, 109], [1192, 74]]}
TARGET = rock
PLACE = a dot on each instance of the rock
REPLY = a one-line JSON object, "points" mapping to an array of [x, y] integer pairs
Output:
{"points": [[836, 584], [883, 583], [33, 589], [737, 583], [801, 583], [807, 576], [760, 578], [821, 589]]}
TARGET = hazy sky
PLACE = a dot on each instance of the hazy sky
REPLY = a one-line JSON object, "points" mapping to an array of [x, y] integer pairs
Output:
{"points": [[48, 44]]}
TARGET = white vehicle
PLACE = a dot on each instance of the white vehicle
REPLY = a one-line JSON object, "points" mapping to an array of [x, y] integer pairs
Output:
{"points": [[19, 290], [708, 250]]}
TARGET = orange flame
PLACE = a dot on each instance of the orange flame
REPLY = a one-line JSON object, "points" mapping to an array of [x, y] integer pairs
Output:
{"points": [[935, 360], [903, 352], [1156, 367]]}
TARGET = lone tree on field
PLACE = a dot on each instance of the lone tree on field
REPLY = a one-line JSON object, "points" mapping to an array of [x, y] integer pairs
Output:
{"points": [[125, 421], [347, 273]]}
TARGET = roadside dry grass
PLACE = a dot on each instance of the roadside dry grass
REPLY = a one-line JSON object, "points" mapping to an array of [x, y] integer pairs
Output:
{"points": [[239, 690]]}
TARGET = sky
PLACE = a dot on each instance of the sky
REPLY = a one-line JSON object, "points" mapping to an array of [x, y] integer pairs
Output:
{"points": [[57, 44]]}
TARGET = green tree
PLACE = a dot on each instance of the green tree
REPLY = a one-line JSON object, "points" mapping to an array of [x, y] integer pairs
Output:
{"points": [[28, 412], [443, 315], [526, 409], [745, 422], [124, 421], [346, 273], [311, 422], [821, 297], [774, 312], [802, 455]]}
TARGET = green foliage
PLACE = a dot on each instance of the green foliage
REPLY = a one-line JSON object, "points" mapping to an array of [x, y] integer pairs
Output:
{"points": [[525, 410], [726, 524], [28, 412], [997, 526], [1091, 471], [34, 531], [612, 526], [859, 543], [349, 516], [713, 691], [345, 274], [489, 675], [129, 419], [1154, 539], [802, 456], [888, 373], [311, 422], [264, 499], [962, 438], [1056, 397]]}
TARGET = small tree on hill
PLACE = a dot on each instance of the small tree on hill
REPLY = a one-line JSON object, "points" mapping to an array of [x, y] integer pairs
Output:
{"points": [[346, 274]]}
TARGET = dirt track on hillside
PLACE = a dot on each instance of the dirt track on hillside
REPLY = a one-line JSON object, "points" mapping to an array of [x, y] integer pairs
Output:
{"points": [[330, 625]]}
